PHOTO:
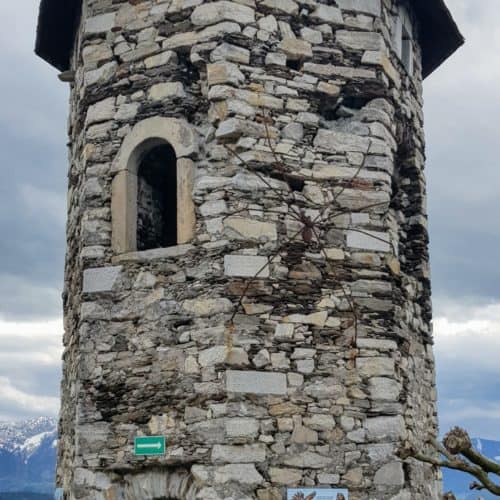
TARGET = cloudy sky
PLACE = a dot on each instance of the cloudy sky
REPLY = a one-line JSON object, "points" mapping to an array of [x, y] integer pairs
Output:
{"points": [[462, 110]]}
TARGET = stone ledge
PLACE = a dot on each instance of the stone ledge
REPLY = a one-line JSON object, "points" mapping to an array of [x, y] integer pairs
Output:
{"points": [[155, 254]]}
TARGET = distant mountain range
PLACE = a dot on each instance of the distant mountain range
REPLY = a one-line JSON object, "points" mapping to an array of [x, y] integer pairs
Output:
{"points": [[28, 453], [25, 496]]}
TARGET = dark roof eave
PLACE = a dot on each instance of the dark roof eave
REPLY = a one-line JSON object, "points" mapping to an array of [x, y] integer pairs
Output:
{"points": [[57, 24], [58, 21], [440, 36]]}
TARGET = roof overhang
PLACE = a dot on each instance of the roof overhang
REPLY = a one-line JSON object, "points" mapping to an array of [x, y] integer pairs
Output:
{"points": [[58, 22], [57, 25], [439, 34]]}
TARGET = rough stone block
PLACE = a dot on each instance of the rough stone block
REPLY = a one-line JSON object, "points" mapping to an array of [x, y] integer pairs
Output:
{"points": [[241, 473], [101, 111], [243, 228], [166, 90], [252, 382], [224, 72], [288, 477], [101, 279], [287, 6], [229, 52], [327, 14], [385, 428], [100, 24], [375, 367], [284, 331], [390, 474], [242, 428], [239, 454], [207, 307], [332, 141], [314, 319], [384, 389], [360, 40], [371, 7], [161, 59], [215, 12], [308, 460], [296, 49]]}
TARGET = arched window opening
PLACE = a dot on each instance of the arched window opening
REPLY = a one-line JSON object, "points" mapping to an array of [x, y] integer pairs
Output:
{"points": [[152, 202], [157, 198]]}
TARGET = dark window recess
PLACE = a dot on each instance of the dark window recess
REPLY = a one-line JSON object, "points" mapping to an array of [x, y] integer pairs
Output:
{"points": [[157, 199], [407, 51]]}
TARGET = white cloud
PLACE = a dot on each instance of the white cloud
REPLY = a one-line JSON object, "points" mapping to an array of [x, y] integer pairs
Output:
{"points": [[31, 343], [28, 330], [21, 402], [467, 349], [30, 359]]}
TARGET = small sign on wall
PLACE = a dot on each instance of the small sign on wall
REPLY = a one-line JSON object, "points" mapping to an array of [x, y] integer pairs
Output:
{"points": [[317, 494], [149, 445]]}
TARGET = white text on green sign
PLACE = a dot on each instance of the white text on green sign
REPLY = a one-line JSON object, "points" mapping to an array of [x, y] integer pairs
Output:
{"points": [[149, 445]]}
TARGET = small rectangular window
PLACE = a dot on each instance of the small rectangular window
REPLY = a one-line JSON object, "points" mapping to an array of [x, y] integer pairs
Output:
{"points": [[407, 51], [403, 38]]}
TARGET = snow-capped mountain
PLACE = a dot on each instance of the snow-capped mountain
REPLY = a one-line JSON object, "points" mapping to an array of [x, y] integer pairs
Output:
{"points": [[28, 452], [459, 482]]}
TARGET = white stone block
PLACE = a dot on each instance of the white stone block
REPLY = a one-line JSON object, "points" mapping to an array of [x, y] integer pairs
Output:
{"points": [[369, 240], [252, 382], [101, 279], [100, 24], [246, 266]]}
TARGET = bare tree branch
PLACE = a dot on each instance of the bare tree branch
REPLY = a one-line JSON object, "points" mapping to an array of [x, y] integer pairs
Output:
{"points": [[460, 455]]}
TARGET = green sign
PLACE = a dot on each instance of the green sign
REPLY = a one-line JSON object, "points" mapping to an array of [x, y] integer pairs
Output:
{"points": [[149, 445]]}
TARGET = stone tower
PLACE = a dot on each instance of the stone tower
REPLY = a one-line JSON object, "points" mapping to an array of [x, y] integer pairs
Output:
{"points": [[247, 266]]}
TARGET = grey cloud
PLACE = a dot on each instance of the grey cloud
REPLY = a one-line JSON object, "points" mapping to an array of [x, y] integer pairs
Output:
{"points": [[33, 173], [16, 404], [462, 107], [32, 377], [22, 299], [468, 373]]}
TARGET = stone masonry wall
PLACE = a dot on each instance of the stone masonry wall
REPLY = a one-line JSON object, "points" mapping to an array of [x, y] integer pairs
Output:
{"points": [[286, 396]]}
